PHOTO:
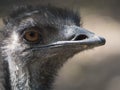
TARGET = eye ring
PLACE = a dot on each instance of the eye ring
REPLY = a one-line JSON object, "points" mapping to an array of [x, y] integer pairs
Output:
{"points": [[32, 35]]}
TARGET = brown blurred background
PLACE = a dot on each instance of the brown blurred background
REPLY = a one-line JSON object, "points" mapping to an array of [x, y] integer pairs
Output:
{"points": [[97, 69]]}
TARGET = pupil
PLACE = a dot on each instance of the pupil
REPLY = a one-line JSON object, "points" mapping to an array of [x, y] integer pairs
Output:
{"points": [[32, 34]]}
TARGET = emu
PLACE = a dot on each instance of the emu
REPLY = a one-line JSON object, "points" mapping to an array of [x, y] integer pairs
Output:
{"points": [[38, 41]]}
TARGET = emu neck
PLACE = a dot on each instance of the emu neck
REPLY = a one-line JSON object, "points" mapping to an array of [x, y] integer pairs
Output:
{"points": [[35, 76], [19, 77]]}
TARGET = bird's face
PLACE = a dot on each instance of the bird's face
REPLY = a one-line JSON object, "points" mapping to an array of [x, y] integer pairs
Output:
{"points": [[32, 40]]}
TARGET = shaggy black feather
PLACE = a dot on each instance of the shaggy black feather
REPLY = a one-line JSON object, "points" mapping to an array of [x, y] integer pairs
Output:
{"points": [[51, 11]]}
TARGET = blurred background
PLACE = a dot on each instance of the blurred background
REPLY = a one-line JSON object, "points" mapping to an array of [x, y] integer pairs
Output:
{"points": [[96, 69]]}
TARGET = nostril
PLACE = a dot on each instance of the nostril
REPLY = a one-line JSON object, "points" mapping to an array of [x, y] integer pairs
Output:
{"points": [[81, 37]]}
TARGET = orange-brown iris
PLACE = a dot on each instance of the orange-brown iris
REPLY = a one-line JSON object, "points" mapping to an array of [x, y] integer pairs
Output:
{"points": [[32, 35]]}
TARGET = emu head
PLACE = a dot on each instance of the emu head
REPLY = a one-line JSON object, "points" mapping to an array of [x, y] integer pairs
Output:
{"points": [[42, 38]]}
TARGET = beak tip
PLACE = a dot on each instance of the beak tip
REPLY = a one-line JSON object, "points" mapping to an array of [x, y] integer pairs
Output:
{"points": [[102, 40]]}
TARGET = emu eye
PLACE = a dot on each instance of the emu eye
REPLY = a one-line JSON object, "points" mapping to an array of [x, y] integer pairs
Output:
{"points": [[32, 35]]}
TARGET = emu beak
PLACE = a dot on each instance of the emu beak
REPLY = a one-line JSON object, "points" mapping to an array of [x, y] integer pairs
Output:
{"points": [[81, 37]]}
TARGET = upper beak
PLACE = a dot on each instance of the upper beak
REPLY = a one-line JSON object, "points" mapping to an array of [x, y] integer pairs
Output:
{"points": [[85, 37]]}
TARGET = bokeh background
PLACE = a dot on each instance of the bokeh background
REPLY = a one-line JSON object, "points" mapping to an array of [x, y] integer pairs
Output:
{"points": [[96, 69]]}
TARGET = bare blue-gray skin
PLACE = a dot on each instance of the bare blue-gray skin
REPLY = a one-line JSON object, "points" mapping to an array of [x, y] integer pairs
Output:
{"points": [[38, 41]]}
